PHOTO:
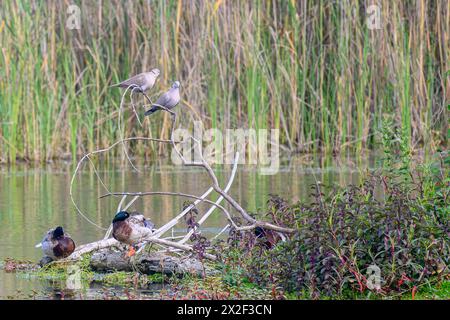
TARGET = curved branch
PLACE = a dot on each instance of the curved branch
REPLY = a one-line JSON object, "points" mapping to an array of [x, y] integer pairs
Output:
{"points": [[106, 243], [211, 210]]}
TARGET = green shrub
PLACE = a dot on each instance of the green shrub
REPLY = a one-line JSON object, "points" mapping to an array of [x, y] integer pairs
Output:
{"points": [[397, 227]]}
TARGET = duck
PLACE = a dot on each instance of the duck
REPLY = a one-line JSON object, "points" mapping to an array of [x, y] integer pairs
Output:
{"points": [[56, 244], [267, 238], [131, 229]]}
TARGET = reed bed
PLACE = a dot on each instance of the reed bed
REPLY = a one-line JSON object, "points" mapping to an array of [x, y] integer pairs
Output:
{"points": [[312, 69]]}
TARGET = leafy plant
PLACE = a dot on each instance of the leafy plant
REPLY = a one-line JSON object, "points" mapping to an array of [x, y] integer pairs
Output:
{"points": [[383, 223]]}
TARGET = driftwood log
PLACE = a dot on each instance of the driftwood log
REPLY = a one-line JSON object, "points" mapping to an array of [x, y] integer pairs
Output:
{"points": [[109, 255], [113, 259]]}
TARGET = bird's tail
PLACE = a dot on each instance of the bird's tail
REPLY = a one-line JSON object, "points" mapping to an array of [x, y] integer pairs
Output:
{"points": [[151, 110]]}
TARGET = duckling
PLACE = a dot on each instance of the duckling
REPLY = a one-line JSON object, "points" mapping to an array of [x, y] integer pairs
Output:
{"points": [[131, 229], [56, 244]]}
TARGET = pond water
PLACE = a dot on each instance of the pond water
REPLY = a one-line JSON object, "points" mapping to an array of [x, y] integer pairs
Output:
{"points": [[33, 200]]}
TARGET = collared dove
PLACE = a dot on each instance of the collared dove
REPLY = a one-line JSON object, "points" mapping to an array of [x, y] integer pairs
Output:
{"points": [[131, 229], [144, 81], [168, 100]]}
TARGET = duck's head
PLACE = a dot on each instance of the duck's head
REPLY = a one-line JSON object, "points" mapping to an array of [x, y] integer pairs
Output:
{"points": [[121, 216], [259, 232], [176, 84], [58, 233], [155, 71]]}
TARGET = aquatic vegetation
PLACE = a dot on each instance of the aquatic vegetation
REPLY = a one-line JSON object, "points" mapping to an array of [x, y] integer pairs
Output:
{"points": [[13, 265], [213, 287], [61, 270], [134, 279]]}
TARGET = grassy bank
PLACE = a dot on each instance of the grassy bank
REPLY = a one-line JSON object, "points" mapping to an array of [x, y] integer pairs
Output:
{"points": [[312, 69]]}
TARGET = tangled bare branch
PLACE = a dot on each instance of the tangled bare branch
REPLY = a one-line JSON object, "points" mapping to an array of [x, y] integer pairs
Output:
{"points": [[156, 236]]}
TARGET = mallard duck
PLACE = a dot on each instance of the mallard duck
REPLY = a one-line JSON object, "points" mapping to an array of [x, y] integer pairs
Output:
{"points": [[268, 238], [131, 229], [56, 244]]}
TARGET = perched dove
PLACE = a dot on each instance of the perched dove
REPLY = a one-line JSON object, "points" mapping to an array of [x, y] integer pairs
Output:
{"points": [[144, 81], [168, 100]]}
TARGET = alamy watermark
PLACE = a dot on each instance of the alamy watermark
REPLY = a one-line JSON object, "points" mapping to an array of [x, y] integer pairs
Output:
{"points": [[256, 147], [373, 277], [373, 20], [73, 17]]}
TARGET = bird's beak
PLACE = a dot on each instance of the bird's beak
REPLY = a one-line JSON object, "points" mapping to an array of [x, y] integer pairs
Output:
{"points": [[38, 245]]}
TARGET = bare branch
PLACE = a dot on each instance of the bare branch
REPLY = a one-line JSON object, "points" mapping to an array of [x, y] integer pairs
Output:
{"points": [[178, 194], [106, 243]]}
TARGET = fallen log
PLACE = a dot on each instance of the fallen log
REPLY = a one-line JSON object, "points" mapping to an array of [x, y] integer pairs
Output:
{"points": [[114, 259]]}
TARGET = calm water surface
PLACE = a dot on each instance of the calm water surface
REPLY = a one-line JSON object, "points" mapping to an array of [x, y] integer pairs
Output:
{"points": [[34, 200]]}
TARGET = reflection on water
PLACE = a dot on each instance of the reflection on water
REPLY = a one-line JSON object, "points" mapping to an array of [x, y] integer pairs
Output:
{"points": [[33, 200]]}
